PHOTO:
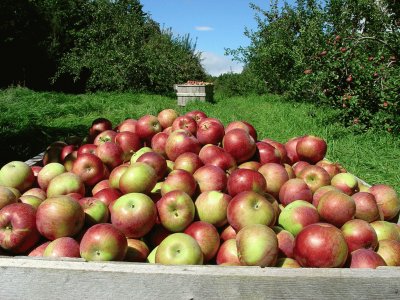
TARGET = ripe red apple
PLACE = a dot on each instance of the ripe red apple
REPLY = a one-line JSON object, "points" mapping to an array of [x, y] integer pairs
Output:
{"points": [[246, 180], [37, 192], [320, 245], [267, 153], [138, 178], [250, 165], [299, 166], [59, 216], [95, 211], [101, 185], [250, 208], [67, 150], [285, 242], [239, 144], [359, 234], [275, 176], [129, 143], [294, 189], [175, 210], [387, 199], [89, 168], [137, 251], [128, 125], [330, 167], [188, 161], [336, 208], [386, 230], [166, 117], [186, 123], [345, 182], [99, 125], [280, 147], [64, 184], [216, 156], [115, 176], [155, 160], [367, 208], [69, 160], [147, 126], [105, 136], [158, 143], [181, 141], [210, 178], [311, 149], [290, 171], [206, 236], [108, 195], [210, 131], [297, 215], [365, 258], [7, 197], [17, 174], [315, 177], [211, 207], [389, 250], [18, 231], [62, 247], [242, 125], [38, 251], [110, 153], [322, 191], [134, 214], [87, 148], [197, 115], [228, 233], [257, 245], [227, 253], [103, 242], [291, 149], [179, 180]]}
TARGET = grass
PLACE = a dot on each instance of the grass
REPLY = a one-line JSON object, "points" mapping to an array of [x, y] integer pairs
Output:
{"points": [[31, 120]]}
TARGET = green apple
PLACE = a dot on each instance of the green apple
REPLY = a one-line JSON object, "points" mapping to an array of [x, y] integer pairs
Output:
{"points": [[17, 174], [151, 258]]}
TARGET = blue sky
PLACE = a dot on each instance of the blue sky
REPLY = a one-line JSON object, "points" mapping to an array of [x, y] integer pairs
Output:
{"points": [[217, 25]]}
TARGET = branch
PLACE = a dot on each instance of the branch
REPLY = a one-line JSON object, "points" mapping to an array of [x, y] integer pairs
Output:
{"points": [[377, 40]]}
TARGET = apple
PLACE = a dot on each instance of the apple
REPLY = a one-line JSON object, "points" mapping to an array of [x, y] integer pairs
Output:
{"points": [[138, 178], [176, 210], [36, 170], [59, 216], [286, 262], [315, 177], [294, 189], [197, 115], [330, 167], [99, 125], [206, 236], [285, 241], [151, 258], [103, 242], [147, 126], [278, 146], [101, 185], [387, 199], [64, 184], [127, 125], [137, 251], [115, 176], [367, 208], [211, 207], [69, 160], [185, 122], [297, 215], [95, 211], [179, 142], [320, 245], [108, 195], [188, 161], [267, 153], [105, 136], [227, 253], [246, 180], [129, 143], [249, 207], [166, 117], [53, 152], [179, 180], [366, 259], [48, 172], [210, 178], [250, 165], [336, 208], [345, 182], [311, 149], [322, 191], [135, 156], [210, 131], [17, 174], [89, 168], [157, 234], [155, 160], [257, 245], [359, 234], [389, 250], [6, 197], [291, 149], [37, 192], [239, 144], [18, 231], [31, 200], [158, 143], [38, 251], [87, 148], [110, 153], [275, 176], [62, 247], [242, 125], [228, 233], [386, 230], [290, 171], [216, 156], [67, 150]]}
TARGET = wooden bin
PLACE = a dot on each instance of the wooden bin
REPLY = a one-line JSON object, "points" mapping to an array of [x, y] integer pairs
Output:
{"points": [[187, 93]]}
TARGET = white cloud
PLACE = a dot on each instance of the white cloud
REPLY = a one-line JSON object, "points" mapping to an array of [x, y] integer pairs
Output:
{"points": [[216, 65], [204, 28]]}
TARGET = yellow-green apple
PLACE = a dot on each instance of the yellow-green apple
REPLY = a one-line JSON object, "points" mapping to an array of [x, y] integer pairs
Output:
{"points": [[345, 182], [166, 117], [48, 172], [176, 210], [267, 153], [285, 242], [138, 178], [185, 122], [211, 207], [31, 200], [101, 185], [7, 197], [365, 259], [210, 131], [359, 234], [286, 262], [291, 151], [59, 216], [134, 214], [246, 180], [15, 191], [105, 136], [311, 149], [127, 125], [138, 251], [197, 115], [250, 165], [103, 242], [386, 230], [157, 161], [320, 245], [115, 175], [216, 156], [297, 215], [95, 211], [210, 178], [330, 167], [179, 180], [17, 174], [240, 144], [242, 125], [38, 251], [181, 141], [129, 143], [315, 177], [151, 258], [336, 208], [366, 207], [322, 191], [62, 247], [294, 189], [257, 245], [87, 148], [179, 249], [52, 153], [99, 125], [248, 208], [64, 184], [138, 153], [18, 232], [228, 233], [147, 126], [188, 161], [108, 195], [170, 166], [275, 176], [280, 147], [89, 168], [206, 236], [227, 253], [387, 199], [389, 250], [37, 192]]}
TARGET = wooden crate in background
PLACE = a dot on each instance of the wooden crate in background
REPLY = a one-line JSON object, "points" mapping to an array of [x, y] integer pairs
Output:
{"points": [[195, 92]]}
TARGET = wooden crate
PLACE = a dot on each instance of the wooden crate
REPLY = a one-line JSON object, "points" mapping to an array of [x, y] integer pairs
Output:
{"points": [[187, 93]]}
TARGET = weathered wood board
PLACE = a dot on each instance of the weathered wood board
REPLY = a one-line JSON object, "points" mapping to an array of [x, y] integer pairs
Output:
{"points": [[187, 93]]}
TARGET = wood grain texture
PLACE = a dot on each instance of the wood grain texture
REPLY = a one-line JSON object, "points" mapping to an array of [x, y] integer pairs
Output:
{"points": [[27, 278]]}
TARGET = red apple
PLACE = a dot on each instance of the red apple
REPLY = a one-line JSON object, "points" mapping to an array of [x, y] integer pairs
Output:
{"points": [[228, 233], [299, 166], [216, 156], [99, 125], [210, 178], [285, 242], [87, 148], [67, 150], [250, 165], [291, 151], [38, 251], [330, 167], [166, 117], [294, 189], [138, 178], [210, 131], [155, 160], [211, 207], [197, 115], [128, 125], [315, 177], [246, 180], [239, 144], [267, 153], [115, 175], [158, 143], [62, 247], [387, 199], [179, 142], [179, 180], [275, 176], [336, 208], [186, 123], [280, 147], [129, 143], [227, 253], [365, 258], [147, 126], [367, 208], [101, 185], [89, 168], [345, 182], [359, 234], [311, 149], [108, 195], [110, 153], [105, 136], [137, 251], [322, 191], [242, 125], [37, 192], [188, 161]]}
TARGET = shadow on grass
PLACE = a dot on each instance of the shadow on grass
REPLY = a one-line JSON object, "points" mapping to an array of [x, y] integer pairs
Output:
{"points": [[31, 141]]}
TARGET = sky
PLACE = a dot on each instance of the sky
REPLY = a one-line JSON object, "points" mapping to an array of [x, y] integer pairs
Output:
{"points": [[215, 25]]}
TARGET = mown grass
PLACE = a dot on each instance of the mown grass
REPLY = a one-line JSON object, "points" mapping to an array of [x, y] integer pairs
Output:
{"points": [[31, 120]]}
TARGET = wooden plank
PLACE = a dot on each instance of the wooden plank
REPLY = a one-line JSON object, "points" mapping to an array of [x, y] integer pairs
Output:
{"points": [[49, 279]]}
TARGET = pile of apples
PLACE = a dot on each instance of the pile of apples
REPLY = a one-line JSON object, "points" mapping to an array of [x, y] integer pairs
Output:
{"points": [[186, 189]]}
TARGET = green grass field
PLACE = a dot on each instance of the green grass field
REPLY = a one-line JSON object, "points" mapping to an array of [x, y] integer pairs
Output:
{"points": [[31, 120]]}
